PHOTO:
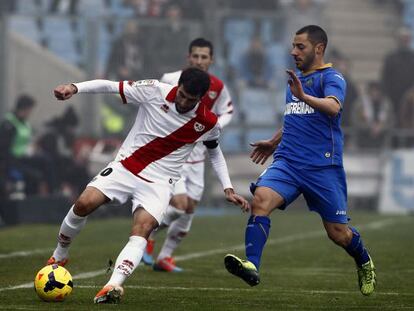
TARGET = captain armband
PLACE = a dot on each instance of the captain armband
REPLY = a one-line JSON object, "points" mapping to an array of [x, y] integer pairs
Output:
{"points": [[211, 144]]}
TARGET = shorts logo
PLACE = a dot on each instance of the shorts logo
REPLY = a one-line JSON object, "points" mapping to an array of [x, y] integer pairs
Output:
{"points": [[198, 127], [165, 108], [212, 94]]}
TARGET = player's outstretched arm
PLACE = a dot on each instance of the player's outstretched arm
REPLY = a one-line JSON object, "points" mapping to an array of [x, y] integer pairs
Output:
{"points": [[66, 91], [263, 149], [220, 167]]}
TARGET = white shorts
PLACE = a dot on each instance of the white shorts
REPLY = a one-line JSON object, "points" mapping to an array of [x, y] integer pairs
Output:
{"points": [[119, 184], [191, 181]]}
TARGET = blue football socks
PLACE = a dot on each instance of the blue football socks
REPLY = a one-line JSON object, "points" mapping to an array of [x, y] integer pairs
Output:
{"points": [[257, 231], [356, 248]]}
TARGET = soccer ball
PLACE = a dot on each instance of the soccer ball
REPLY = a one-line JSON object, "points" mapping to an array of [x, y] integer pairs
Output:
{"points": [[53, 283]]}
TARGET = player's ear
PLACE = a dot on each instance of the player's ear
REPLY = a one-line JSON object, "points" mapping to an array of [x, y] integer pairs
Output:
{"points": [[320, 48]]}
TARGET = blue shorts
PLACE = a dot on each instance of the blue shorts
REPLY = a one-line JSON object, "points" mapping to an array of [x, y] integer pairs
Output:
{"points": [[324, 188]]}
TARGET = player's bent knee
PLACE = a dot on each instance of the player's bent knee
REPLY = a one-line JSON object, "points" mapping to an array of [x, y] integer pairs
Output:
{"points": [[84, 206], [261, 206], [339, 236], [143, 229]]}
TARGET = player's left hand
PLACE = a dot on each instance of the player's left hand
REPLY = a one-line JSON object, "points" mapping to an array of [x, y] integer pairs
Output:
{"points": [[236, 199], [295, 85]]}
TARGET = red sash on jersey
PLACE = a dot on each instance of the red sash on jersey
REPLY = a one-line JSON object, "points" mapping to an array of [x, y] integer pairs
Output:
{"points": [[163, 146]]}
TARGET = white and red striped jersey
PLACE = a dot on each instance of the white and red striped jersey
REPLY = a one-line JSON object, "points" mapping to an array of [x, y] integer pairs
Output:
{"points": [[161, 139], [217, 100]]}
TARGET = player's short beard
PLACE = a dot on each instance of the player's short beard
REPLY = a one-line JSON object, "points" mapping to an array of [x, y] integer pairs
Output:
{"points": [[307, 62]]}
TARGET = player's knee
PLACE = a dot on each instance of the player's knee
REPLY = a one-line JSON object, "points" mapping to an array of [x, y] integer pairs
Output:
{"points": [[143, 228], [83, 206], [339, 236], [260, 206]]}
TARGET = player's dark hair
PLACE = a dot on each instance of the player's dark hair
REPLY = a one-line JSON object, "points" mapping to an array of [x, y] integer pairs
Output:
{"points": [[201, 43], [24, 102], [315, 34], [195, 81]]}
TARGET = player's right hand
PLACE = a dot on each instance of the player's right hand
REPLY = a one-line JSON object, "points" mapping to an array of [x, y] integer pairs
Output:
{"points": [[263, 149], [64, 91]]}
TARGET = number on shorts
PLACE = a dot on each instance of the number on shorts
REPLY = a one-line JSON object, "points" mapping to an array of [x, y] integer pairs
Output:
{"points": [[106, 171]]}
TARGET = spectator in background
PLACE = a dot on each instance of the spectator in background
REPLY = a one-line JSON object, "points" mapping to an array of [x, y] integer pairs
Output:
{"points": [[147, 8], [56, 146], [128, 60], [377, 117], [127, 57], [407, 118], [19, 171], [192, 9], [255, 67], [170, 42], [71, 6], [140, 7], [343, 65], [397, 72]]}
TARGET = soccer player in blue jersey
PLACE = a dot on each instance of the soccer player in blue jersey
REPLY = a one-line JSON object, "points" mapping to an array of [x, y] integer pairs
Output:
{"points": [[307, 154]]}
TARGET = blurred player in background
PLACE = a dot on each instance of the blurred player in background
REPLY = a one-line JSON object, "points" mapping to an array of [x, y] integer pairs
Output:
{"points": [[189, 190], [307, 160], [170, 122]]}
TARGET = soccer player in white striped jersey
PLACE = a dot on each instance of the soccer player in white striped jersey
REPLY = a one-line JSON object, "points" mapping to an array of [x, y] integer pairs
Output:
{"points": [[169, 123], [189, 189]]}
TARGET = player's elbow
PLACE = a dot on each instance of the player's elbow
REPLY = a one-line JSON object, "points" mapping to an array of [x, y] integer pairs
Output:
{"points": [[334, 112]]}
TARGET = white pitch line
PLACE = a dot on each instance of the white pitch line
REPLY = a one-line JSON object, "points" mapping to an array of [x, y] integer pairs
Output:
{"points": [[290, 238], [303, 236], [26, 253]]}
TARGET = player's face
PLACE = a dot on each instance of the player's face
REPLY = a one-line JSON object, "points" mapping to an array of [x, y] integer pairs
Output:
{"points": [[303, 51], [200, 58], [185, 102]]}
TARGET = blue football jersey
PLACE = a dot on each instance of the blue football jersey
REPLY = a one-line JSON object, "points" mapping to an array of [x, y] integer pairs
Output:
{"points": [[312, 138]]}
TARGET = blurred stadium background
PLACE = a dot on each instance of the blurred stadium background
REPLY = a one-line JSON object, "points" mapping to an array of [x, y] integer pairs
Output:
{"points": [[44, 43], [47, 42]]}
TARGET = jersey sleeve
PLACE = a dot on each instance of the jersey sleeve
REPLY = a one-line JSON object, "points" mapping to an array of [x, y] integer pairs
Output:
{"points": [[223, 103], [137, 92], [214, 133], [334, 86]]}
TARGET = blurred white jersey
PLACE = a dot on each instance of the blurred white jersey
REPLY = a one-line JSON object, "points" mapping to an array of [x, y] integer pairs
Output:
{"points": [[161, 139], [217, 100]]}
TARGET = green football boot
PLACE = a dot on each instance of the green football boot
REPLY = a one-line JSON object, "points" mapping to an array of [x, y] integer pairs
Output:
{"points": [[244, 269], [367, 277]]}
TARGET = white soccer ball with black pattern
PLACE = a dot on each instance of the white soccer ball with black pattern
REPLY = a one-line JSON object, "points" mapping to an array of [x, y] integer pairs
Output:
{"points": [[53, 283]]}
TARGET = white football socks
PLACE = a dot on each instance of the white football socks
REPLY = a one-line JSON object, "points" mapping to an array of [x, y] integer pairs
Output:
{"points": [[176, 232], [71, 226], [128, 259]]}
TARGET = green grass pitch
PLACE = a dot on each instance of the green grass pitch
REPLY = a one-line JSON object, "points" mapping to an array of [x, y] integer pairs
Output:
{"points": [[301, 269]]}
